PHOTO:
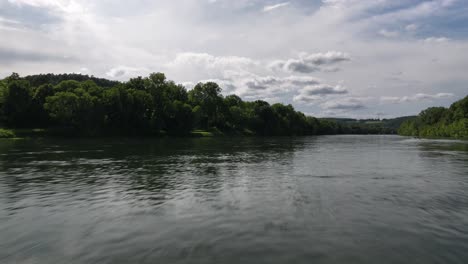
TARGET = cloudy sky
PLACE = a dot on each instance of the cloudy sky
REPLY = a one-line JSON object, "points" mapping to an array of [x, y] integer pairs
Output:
{"points": [[346, 58]]}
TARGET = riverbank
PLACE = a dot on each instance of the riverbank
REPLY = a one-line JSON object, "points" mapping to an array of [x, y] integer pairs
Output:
{"points": [[42, 132], [70, 133]]}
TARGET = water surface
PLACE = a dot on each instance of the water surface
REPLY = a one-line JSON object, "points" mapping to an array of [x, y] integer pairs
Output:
{"points": [[330, 199]]}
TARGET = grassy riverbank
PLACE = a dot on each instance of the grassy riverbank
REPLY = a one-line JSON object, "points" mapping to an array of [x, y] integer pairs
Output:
{"points": [[7, 133]]}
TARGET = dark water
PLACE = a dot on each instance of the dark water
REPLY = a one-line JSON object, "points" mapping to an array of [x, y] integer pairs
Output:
{"points": [[331, 199]]}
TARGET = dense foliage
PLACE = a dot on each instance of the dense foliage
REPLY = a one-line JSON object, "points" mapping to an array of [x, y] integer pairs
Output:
{"points": [[83, 105], [439, 122], [369, 126]]}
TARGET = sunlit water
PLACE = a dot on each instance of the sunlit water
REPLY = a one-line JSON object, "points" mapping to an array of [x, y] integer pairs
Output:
{"points": [[330, 199]]}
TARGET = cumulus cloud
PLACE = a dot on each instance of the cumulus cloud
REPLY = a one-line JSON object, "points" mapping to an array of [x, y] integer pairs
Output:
{"points": [[349, 103], [227, 86], [436, 40], [411, 27], [125, 72], [210, 66], [210, 61], [257, 82], [314, 93], [414, 98], [253, 87], [203, 66], [239, 74], [388, 33], [230, 43], [269, 8], [324, 90], [307, 63]]}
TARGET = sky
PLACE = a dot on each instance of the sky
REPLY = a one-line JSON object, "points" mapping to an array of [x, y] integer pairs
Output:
{"points": [[333, 58]]}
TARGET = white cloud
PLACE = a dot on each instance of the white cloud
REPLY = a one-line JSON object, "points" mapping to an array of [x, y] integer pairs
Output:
{"points": [[414, 98], [436, 40], [8, 21], [269, 8], [67, 6], [210, 66], [254, 86], [389, 34], [125, 72], [411, 27], [228, 41], [210, 61]]}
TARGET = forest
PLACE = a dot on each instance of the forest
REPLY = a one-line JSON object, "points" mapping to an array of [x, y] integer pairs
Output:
{"points": [[438, 122], [81, 105]]}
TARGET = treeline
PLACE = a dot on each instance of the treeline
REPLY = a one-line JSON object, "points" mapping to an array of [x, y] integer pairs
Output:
{"points": [[439, 122], [370, 126], [82, 105]]}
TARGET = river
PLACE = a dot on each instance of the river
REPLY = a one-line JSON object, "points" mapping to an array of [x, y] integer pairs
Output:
{"points": [[324, 199]]}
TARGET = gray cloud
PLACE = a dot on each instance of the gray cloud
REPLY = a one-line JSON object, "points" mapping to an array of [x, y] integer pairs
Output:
{"points": [[252, 86], [324, 90], [314, 93], [350, 103], [307, 63], [226, 85], [261, 83], [301, 80], [32, 14], [8, 56], [300, 66]]}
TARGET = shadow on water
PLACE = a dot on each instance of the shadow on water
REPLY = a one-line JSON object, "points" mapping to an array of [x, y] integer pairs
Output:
{"points": [[142, 169], [444, 150]]}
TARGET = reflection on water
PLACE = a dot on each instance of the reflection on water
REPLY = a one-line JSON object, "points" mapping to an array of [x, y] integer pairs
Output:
{"points": [[331, 199]]}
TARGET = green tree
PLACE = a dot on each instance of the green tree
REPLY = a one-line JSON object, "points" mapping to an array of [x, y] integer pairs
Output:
{"points": [[17, 100], [459, 109], [39, 99], [439, 122], [140, 111], [63, 108], [180, 118], [208, 97], [78, 110], [433, 115]]}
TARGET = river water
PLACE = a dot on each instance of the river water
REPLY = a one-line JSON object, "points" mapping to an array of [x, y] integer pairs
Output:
{"points": [[327, 199]]}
